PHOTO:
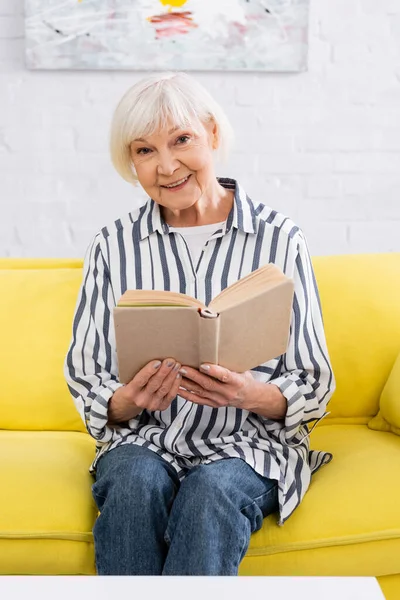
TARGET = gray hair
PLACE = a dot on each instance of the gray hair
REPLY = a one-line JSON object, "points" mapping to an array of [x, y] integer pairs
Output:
{"points": [[148, 106]]}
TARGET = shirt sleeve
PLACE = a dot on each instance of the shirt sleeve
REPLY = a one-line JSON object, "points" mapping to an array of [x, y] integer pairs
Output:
{"points": [[90, 367], [306, 379]]}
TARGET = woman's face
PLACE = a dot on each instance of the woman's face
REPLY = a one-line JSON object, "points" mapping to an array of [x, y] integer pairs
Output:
{"points": [[179, 157]]}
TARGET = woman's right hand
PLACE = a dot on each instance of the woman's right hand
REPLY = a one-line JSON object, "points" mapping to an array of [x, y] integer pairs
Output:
{"points": [[153, 388]]}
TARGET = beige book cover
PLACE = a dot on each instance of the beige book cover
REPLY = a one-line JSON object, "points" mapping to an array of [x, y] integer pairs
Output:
{"points": [[247, 324]]}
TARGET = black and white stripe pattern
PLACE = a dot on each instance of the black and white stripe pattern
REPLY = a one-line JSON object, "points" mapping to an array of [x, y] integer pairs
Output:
{"points": [[139, 252]]}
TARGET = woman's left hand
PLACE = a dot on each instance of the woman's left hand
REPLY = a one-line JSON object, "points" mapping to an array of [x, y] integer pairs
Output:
{"points": [[216, 386]]}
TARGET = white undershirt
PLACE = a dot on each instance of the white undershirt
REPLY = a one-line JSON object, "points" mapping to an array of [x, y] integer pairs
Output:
{"points": [[196, 237]]}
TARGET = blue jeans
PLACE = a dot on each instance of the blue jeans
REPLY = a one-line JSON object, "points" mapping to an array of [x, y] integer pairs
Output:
{"points": [[150, 523]]}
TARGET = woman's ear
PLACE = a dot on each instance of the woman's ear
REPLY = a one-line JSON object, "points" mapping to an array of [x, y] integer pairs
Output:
{"points": [[215, 134]]}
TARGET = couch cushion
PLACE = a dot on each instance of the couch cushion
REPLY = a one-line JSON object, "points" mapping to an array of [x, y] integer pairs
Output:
{"points": [[360, 297], [47, 512], [36, 312], [388, 418], [349, 520], [46, 506]]}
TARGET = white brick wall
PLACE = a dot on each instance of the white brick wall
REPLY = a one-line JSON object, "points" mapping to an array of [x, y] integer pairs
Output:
{"points": [[322, 146]]}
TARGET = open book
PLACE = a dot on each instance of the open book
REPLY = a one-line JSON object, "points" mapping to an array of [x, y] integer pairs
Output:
{"points": [[245, 325]]}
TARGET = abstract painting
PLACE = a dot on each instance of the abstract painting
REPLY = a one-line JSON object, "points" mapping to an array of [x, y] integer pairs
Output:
{"points": [[236, 35]]}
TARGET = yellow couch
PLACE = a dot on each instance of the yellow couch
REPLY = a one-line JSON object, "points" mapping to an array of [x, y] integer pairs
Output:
{"points": [[349, 521]]}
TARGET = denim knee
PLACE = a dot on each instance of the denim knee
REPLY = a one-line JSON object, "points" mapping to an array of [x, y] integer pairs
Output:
{"points": [[203, 488], [229, 486], [210, 495], [133, 483]]}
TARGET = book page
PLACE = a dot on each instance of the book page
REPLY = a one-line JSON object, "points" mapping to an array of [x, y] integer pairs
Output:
{"points": [[255, 283], [157, 298]]}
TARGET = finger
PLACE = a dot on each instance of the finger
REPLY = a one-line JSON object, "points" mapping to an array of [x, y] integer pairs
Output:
{"points": [[191, 397], [221, 373], [202, 396], [190, 373], [159, 376], [163, 391], [208, 383], [169, 387], [143, 376], [192, 386], [177, 383], [174, 391]]}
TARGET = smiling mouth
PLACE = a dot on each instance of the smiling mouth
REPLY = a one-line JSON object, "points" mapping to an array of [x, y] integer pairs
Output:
{"points": [[171, 186]]}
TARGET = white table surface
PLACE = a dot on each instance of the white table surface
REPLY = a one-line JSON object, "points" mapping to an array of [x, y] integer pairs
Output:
{"points": [[189, 588]]}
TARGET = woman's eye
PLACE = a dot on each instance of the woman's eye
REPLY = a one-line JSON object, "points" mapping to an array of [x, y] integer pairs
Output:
{"points": [[182, 139], [142, 150]]}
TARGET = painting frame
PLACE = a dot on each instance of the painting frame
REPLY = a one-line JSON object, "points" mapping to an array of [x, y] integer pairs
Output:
{"points": [[157, 35]]}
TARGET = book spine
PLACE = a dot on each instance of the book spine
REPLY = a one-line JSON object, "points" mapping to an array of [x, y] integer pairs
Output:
{"points": [[208, 339]]}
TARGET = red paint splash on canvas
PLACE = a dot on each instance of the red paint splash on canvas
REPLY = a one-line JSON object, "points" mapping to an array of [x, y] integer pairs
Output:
{"points": [[172, 23]]}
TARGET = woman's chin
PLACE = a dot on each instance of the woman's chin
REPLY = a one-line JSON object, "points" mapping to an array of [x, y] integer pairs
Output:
{"points": [[180, 200]]}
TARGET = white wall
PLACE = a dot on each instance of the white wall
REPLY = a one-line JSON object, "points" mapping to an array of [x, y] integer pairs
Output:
{"points": [[322, 146]]}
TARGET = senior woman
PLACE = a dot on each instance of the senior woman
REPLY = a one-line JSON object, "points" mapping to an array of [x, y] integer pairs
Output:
{"points": [[189, 462]]}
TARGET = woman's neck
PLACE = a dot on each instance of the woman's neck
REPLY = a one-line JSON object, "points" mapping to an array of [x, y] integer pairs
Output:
{"points": [[205, 212]]}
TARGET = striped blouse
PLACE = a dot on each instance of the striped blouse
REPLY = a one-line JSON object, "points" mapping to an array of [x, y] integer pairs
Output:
{"points": [[138, 251]]}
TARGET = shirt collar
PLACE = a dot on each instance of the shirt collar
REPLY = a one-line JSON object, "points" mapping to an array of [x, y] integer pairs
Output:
{"points": [[242, 215]]}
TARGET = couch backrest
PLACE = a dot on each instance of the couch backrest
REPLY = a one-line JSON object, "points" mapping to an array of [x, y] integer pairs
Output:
{"points": [[360, 297], [37, 302]]}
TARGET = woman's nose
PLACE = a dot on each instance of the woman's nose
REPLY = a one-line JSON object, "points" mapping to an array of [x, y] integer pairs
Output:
{"points": [[167, 164]]}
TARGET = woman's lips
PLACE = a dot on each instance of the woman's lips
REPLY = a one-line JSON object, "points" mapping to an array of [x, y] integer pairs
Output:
{"points": [[177, 187]]}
